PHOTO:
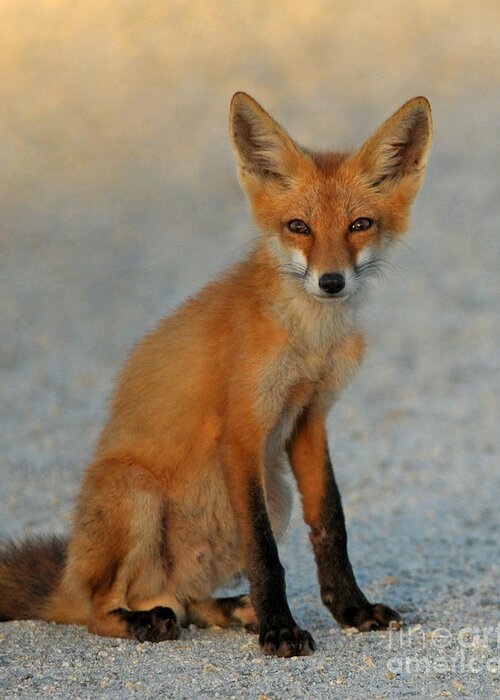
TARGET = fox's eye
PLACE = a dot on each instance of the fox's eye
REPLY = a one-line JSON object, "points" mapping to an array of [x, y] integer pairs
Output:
{"points": [[362, 224], [298, 226]]}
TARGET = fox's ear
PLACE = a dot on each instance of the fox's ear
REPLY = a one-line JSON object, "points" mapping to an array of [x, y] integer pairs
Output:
{"points": [[399, 148], [264, 152]]}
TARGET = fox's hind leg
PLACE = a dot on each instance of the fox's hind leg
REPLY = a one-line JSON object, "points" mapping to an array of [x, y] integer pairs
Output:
{"points": [[224, 612], [118, 554]]}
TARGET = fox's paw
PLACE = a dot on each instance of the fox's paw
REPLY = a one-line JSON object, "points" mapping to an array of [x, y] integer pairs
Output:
{"points": [[286, 642], [367, 618], [156, 625]]}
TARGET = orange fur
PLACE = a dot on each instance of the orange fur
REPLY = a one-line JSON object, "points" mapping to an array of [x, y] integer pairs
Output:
{"points": [[208, 402]]}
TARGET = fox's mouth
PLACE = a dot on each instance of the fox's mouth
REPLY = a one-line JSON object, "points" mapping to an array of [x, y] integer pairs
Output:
{"points": [[332, 297]]}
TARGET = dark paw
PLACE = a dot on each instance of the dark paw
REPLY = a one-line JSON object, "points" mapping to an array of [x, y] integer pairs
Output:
{"points": [[156, 625], [286, 642], [368, 617]]}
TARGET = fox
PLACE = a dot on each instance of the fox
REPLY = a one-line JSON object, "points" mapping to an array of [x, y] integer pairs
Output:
{"points": [[190, 483]]}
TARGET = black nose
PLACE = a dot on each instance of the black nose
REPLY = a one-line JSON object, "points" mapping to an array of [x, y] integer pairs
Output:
{"points": [[332, 282]]}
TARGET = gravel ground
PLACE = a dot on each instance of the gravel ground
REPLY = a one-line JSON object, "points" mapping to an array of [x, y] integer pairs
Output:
{"points": [[119, 198]]}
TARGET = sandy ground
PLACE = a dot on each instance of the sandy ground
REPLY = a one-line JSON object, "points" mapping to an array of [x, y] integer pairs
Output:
{"points": [[119, 198]]}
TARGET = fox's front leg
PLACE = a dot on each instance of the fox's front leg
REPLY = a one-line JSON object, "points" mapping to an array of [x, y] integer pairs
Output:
{"points": [[310, 461], [279, 634]]}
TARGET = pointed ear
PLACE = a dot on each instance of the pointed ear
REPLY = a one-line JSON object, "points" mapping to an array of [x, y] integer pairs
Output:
{"points": [[264, 151], [399, 148]]}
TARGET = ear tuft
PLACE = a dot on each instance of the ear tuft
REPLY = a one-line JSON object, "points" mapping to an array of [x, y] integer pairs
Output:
{"points": [[262, 147], [399, 148]]}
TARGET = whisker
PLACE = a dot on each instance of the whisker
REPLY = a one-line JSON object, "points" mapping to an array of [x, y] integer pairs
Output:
{"points": [[420, 260], [294, 270], [245, 244], [375, 268]]}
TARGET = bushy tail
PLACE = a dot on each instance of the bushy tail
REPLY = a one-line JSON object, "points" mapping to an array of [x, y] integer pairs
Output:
{"points": [[30, 571]]}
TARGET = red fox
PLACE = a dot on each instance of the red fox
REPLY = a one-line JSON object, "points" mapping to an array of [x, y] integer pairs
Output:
{"points": [[188, 485]]}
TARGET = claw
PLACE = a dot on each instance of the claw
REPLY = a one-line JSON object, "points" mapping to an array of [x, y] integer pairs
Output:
{"points": [[370, 618], [156, 625], [286, 642]]}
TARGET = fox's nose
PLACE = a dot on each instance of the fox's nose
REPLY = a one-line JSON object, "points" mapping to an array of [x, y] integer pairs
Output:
{"points": [[332, 282]]}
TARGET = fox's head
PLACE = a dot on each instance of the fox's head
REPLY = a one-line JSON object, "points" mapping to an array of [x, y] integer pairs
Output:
{"points": [[328, 217]]}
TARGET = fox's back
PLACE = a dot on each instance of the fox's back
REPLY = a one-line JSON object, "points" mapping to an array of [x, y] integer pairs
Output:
{"points": [[169, 393]]}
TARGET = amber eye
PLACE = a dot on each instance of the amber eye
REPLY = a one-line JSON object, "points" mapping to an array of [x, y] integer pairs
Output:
{"points": [[362, 224], [298, 226]]}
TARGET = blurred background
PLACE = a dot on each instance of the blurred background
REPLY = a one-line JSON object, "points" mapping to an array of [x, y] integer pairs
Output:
{"points": [[119, 198]]}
